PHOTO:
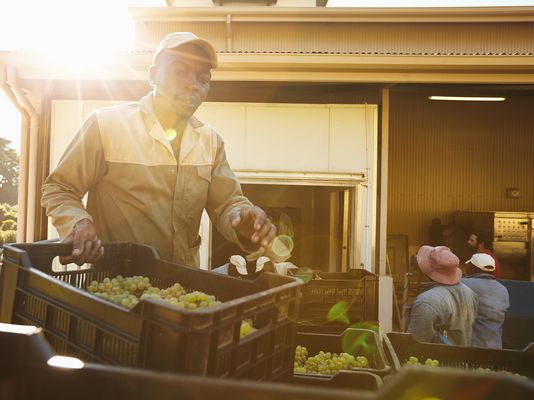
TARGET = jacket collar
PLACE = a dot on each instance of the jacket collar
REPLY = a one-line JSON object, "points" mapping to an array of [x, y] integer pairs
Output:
{"points": [[481, 275], [191, 132]]}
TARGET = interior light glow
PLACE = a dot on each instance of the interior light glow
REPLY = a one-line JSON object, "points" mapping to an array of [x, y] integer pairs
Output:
{"points": [[466, 98], [21, 329], [65, 362]]}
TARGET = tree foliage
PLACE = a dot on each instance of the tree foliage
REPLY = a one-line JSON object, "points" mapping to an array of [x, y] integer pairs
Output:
{"points": [[9, 173], [8, 223]]}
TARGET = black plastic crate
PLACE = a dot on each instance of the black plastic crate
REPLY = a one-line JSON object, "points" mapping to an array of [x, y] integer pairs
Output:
{"points": [[26, 375], [354, 380], [153, 334], [358, 288], [22, 346], [400, 346], [358, 342], [423, 383], [96, 381]]}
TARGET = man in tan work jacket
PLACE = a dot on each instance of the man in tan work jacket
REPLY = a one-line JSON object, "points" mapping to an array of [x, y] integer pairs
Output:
{"points": [[150, 168]]}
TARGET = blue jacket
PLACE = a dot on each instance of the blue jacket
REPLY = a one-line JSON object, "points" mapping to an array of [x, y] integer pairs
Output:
{"points": [[493, 301]]}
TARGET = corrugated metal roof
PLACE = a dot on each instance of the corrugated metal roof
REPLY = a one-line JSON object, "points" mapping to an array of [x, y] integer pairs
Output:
{"points": [[381, 53], [470, 39]]}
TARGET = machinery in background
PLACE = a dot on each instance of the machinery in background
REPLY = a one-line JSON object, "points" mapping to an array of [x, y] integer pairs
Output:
{"points": [[512, 234]]}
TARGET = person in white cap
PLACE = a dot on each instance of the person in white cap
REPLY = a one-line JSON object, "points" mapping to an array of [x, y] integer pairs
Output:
{"points": [[480, 242], [493, 300], [150, 169], [445, 311]]}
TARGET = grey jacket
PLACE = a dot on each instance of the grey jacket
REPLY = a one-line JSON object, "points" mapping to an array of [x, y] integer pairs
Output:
{"points": [[444, 311], [493, 301]]}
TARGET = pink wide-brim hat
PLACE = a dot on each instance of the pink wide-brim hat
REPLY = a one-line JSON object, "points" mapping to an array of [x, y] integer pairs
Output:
{"points": [[440, 264]]}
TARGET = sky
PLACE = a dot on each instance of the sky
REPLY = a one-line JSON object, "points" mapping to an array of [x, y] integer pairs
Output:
{"points": [[99, 27]]}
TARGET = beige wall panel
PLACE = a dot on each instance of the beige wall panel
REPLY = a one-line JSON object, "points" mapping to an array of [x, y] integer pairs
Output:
{"points": [[230, 121], [351, 131], [67, 117], [91, 106], [287, 138], [449, 156], [312, 138]]}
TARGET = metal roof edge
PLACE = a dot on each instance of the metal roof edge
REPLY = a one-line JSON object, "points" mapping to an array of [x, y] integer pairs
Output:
{"points": [[334, 15]]}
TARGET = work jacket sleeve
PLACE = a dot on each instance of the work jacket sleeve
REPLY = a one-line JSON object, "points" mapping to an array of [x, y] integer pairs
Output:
{"points": [[81, 166], [225, 198], [422, 322]]}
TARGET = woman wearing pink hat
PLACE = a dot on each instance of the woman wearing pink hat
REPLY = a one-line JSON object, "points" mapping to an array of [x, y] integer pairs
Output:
{"points": [[446, 310]]}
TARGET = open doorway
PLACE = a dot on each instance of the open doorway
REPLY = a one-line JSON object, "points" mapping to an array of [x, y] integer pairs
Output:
{"points": [[319, 218]]}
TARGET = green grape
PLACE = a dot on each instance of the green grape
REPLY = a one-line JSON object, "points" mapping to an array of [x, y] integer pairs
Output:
{"points": [[247, 328], [412, 360], [362, 362], [431, 363]]}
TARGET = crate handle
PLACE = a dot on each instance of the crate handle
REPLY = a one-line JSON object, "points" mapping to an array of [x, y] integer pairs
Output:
{"points": [[19, 254], [57, 248]]}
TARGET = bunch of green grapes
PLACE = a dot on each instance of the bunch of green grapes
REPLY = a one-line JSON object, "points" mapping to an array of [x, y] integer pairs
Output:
{"points": [[247, 328], [132, 285], [169, 295], [123, 299], [431, 363], [188, 301], [362, 362], [127, 292], [301, 355], [326, 363], [428, 362], [502, 372], [120, 290]]}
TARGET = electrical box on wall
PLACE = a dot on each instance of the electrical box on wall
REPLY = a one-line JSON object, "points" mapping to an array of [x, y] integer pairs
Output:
{"points": [[512, 193]]}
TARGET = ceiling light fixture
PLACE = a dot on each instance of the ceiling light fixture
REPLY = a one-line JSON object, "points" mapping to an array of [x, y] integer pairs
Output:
{"points": [[466, 98]]}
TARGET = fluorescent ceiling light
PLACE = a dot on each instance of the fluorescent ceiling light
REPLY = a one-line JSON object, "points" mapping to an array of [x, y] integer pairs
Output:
{"points": [[466, 98], [65, 362], [20, 329]]}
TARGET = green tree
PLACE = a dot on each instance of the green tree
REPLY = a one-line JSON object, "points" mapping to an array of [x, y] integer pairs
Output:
{"points": [[8, 223], [9, 173]]}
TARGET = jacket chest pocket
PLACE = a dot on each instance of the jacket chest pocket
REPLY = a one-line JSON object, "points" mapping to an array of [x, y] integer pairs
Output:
{"points": [[197, 183]]}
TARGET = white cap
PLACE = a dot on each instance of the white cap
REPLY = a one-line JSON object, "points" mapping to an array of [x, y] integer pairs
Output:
{"points": [[483, 261], [177, 39]]}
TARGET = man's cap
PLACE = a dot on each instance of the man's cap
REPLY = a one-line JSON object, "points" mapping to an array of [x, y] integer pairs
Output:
{"points": [[440, 264], [483, 261], [177, 39]]}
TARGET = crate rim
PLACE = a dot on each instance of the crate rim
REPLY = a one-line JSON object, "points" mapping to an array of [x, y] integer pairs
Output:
{"points": [[295, 283]]}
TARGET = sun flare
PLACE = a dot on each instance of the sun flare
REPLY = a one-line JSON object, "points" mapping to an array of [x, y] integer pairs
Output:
{"points": [[70, 32]]}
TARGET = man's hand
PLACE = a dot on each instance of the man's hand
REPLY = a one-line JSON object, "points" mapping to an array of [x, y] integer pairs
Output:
{"points": [[86, 248], [252, 223]]}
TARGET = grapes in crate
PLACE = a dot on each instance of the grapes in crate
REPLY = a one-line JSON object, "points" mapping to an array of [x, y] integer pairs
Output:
{"points": [[326, 363], [128, 291], [247, 328], [428, 362]]}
